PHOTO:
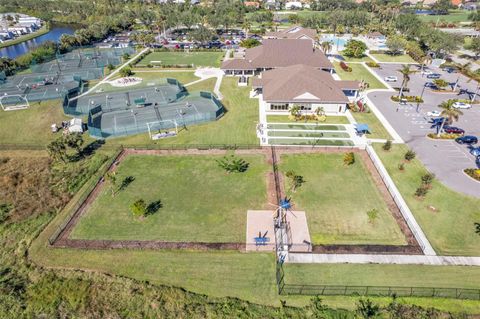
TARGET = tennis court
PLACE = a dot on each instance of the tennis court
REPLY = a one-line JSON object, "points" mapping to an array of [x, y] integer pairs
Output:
{"points": [[131, 111]]}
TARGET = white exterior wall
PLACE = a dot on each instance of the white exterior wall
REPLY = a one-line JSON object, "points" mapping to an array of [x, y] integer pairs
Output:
{"points": [[328, 108]]}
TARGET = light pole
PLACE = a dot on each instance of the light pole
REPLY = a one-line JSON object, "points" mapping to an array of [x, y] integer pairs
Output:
{"points": [[475, 94]]}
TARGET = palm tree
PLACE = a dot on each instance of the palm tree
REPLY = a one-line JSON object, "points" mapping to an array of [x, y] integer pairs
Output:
{"points": [[449, 113], [246, 26], [462, 69], [406, 71], [326, 46]]}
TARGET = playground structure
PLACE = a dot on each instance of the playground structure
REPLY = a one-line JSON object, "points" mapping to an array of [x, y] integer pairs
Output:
{"points": [[155, 108], [60, 77]]}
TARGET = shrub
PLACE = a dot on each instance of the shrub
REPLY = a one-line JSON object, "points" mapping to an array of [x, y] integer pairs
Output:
{"points": [[421, 191], [443, 136], [110, 66], [296, 180], [473, 173], [372, 215], [125, 72], [408, 98], [387, 146], [345, 67], [441, 83], [139, 208], [427, 178], [410, 155], [233, 164], [401, 166], [349, 158], [373, 64]]}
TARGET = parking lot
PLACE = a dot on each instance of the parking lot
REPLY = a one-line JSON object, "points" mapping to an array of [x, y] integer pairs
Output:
{"points": [[445, 158]]}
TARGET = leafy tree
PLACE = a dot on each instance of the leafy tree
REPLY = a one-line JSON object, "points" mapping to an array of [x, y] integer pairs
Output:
{"points": [[421, 191], [475, 46], [441, 83], [110, 67], [202, 34], [233, 164], [355, 49], [139, 208], [367, 309], [410, 155], [349, 158], [396, 44], [477, 228], [75, 141], [249, 43], [427, 179], [296, 180], [387, 146], [449, 112], [126, 72], [57, 150]]}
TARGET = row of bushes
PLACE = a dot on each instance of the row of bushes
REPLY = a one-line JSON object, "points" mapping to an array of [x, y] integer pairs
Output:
{"points": [[473, 173], [169, 66], [182, 50], [443, 136], [408, 98], [345, 67], [373, 64]]}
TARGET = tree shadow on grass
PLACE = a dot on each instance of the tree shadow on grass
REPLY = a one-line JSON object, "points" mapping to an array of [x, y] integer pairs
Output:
{"points": [[153, 207], [126, 181]]}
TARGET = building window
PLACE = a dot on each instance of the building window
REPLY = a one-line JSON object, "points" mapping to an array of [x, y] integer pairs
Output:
{"points": [[307, 107], [279, 107]]}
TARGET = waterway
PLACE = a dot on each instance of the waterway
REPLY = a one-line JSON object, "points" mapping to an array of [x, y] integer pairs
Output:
{"points": [[54, 34]]}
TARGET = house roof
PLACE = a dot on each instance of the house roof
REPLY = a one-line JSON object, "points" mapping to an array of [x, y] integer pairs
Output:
{"points": [[295, 32], [300, 83], [375, 34], [275, 53]]}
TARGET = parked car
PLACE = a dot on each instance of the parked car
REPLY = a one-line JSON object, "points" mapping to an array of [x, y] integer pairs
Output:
{"points": [[426, 72], [391, 78], [467, 139], [450, 69], [431, 85], [478, 161], [475, 151], [453, 130], [434, 76], [461, 105], [433, 113]]}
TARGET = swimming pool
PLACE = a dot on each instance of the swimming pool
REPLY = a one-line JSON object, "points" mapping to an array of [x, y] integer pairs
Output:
{"points": [[338, 42]]}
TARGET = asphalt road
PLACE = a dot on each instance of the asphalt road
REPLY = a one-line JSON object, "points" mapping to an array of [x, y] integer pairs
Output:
{"points": [[446, 159]]}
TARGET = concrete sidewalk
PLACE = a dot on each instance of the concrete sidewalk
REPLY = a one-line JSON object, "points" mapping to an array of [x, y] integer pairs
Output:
{"points": [[383, 259]]}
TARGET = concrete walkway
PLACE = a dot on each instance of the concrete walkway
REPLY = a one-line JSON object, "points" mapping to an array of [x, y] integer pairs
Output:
{"points": [[93, 88], [383, 259]]}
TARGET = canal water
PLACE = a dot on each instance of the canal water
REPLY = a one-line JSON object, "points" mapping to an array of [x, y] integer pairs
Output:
{"points": [[54, 34]]}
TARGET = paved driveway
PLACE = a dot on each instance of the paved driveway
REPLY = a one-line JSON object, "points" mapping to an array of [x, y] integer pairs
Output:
{"points": [[446, 159]]}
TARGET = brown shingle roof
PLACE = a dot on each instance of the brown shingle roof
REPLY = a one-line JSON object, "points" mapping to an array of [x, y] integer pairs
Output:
{"points": [[301, 83], [295, 32], [275, 53]]}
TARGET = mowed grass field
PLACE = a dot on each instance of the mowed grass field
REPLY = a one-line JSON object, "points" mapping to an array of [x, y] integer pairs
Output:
{"points": [[336, 199], [377, 130], [359, 73], [404, 58], [176, 58], [454, 16], [201, 201], [450, 229]]}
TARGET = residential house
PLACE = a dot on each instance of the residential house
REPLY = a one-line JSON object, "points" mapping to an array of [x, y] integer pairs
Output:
{"points": [[301, 85], [276, 53]]}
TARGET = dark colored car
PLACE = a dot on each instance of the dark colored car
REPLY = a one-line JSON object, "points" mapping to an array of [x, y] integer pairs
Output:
{"points": [[453, 130], [431, 85], [450, 70], [475, 151], [467, 139], [434, 76], [478, 161]]}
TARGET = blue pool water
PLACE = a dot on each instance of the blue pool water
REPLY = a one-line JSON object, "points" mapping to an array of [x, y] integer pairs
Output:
{"points": [[337, 41]]}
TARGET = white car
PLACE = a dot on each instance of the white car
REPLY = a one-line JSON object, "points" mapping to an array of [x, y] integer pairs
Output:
{"points": [[427, 72], [461, 105], [391, 78], [433, 113]]}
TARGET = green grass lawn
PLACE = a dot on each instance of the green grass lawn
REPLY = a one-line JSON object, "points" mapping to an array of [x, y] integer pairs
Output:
{"points": [[377, 130], [237, 126], [286, 119], [362, 59], [404, 58], [359, 73], [450, 229], [201, 202], [336, 200], [175, 58], [455, 16], [300, 126], [32, 125]]}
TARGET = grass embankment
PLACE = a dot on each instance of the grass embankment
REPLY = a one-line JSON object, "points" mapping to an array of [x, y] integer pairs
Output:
{"points": [[336, 199], [43, 30], [182, 185], [450, 226], [183, 58], [359, 73]]}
